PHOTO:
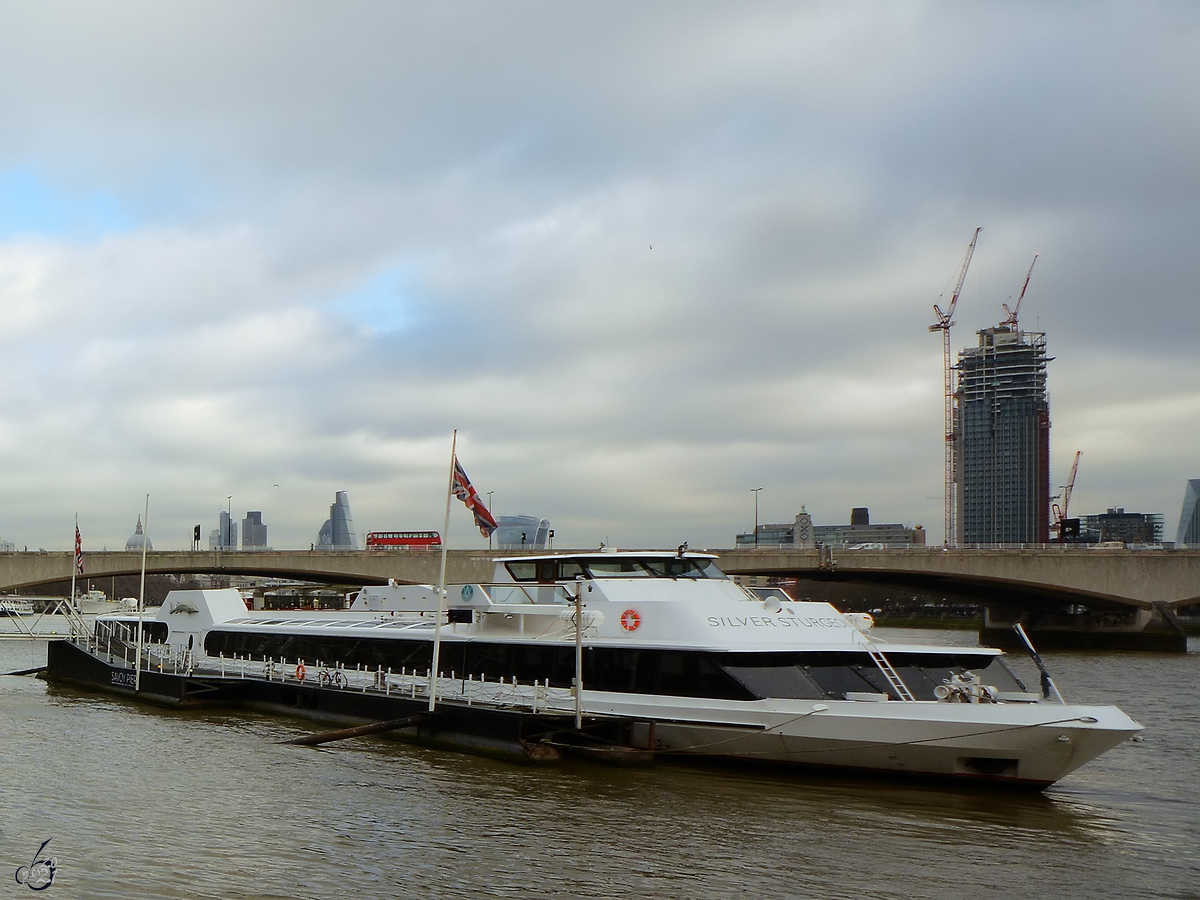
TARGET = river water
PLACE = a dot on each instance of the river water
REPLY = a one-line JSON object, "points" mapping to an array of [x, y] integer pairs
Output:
{"points": [[142, 802]]}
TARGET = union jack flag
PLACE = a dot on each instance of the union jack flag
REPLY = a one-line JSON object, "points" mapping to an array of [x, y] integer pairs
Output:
{"points": [[465, 491], [78, 551]]}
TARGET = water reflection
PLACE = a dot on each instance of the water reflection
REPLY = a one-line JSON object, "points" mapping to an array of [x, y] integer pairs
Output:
{"points": [[147, 802]]}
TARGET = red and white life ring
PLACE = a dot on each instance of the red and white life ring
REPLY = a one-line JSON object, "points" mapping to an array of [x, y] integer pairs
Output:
{"points": [[301, 672], [630, 620]]}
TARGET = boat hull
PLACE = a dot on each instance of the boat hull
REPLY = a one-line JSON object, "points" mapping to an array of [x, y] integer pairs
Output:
{"points": [[1019, 744]]}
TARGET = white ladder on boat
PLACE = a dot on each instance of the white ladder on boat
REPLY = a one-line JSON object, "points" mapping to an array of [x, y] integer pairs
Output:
{"points": [[889, 673]]}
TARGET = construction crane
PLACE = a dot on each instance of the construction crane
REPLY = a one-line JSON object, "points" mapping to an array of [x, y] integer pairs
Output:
{"points": [[944, 321], [1011, 314], [1060, 515]]}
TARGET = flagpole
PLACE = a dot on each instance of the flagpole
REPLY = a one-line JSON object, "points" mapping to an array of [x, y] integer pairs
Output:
{"points": [[74, 560], [137, 658], [441, 588]]}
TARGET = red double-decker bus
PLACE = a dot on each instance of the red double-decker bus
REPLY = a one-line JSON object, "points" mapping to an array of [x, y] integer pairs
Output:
{"points": [[403, 540]]}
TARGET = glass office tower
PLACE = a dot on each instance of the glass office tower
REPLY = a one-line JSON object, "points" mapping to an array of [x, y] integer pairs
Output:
{"points": [[1003, 440], [1189, 519]]}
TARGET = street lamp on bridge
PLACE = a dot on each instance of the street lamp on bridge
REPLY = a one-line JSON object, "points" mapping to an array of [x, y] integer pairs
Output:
{"points": [[755, 491]]}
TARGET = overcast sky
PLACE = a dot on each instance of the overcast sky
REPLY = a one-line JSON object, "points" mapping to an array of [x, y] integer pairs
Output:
{"points": [[644, 257]]}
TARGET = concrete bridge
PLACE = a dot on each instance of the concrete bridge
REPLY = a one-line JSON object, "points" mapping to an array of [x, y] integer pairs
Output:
{"points": [[1099, 598], [1102, 598], [354, 567]]}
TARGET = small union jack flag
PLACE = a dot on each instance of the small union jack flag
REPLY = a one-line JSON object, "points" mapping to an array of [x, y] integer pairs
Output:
{"points": [[78, 551], [465, 492]]}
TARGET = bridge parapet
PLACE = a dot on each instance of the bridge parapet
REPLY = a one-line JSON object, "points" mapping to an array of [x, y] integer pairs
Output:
{"points": [[1130, 577], [24, 570], [1141, 578]]}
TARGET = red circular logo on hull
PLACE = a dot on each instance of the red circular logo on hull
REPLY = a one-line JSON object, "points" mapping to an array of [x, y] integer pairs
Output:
{"points": [[630, 620]]}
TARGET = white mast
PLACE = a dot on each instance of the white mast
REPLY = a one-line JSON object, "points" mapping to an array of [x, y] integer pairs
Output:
{"points": [[74, 559], [441, 587], [578, 653], [137, 658]]}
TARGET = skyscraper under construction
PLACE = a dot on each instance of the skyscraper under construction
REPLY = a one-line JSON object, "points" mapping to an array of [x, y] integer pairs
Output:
{"points": [[1003, 439]]}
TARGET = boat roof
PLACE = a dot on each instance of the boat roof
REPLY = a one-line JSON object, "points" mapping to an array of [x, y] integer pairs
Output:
{"points": [[394, 627]]}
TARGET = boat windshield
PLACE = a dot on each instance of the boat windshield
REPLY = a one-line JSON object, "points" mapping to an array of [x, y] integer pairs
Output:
{"points": [[839, 675], [653, 567], [547, 570]]}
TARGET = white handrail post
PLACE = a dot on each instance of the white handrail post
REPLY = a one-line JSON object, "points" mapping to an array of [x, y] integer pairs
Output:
{"points": [[578, 653], [437, 625], [137, 669]]}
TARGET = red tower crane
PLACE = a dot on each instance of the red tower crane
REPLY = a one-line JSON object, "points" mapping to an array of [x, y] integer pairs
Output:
{"points": [[943, 324], [1060, 515]]}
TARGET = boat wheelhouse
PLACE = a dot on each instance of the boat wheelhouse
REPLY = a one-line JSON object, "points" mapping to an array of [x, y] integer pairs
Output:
{"points": [[655, 652]]}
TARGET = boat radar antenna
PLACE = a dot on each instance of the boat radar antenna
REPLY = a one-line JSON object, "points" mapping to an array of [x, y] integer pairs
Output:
{"points": [[1011, 314], [943, 323]]}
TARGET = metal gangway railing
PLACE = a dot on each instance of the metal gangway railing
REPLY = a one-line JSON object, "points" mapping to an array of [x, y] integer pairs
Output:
{"points": [[27, 625]]}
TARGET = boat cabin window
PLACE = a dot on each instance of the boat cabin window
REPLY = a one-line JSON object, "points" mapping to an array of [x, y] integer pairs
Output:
{"points": [[559, 570], [544, 569], [806, 676], [772, 675], [688, 673], [684, 567], [654, 567], [547, 570], [522, 570], [812, 676], [923, 673], [625, 568]]}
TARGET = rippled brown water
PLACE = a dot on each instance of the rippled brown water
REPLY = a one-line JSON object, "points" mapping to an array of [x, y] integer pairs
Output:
{"points": [[141, 802]]}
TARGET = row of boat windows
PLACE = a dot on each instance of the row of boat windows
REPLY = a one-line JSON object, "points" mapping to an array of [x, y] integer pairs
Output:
{"points": [[683, 673], [620, 567]]}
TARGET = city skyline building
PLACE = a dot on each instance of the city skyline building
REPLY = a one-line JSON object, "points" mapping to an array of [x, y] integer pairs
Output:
{"points": [[803, 533], [338, 531], [138, 538], [254, 531], [522, 532], [1126, 527], [1188, 534], [225, 535], [1002, 439]]}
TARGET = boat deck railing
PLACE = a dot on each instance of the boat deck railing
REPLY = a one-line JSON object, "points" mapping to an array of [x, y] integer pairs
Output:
{"points": [[472, 690]]}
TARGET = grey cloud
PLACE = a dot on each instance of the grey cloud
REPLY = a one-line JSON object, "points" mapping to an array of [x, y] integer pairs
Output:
{"points": [[807, 176]]}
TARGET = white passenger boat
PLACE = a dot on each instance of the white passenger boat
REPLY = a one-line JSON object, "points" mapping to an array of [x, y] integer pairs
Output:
{"points": [[674, 658], [15, 606]]}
